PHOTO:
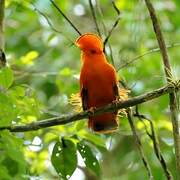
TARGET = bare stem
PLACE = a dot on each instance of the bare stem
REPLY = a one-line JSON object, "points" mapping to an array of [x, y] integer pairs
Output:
{"points": [[139, 144], [115, 23], [2, 54], [146, 53], [47, 20], [94, 18], [65, 17], [172, 95], [105, 32], [50, 23], [158, 153], [111, 30], [156, 145], [2, 24]]}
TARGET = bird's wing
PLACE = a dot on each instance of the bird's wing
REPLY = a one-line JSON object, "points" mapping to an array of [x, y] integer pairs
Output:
{"points": [[84, 97], [116, 91], [113, 76]]}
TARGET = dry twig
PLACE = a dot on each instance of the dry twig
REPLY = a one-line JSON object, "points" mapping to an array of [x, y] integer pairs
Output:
{"points": [[2, 54], [65, 17], [167, 69], [139, 144], [146, 53], [94, 18], [156, 145], [115, 23]]}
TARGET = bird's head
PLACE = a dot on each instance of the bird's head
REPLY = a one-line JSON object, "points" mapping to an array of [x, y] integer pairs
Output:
{"points": [[90, 43]]}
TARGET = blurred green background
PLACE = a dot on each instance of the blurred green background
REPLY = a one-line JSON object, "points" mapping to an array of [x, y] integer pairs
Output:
{"points": [[45, 67]]}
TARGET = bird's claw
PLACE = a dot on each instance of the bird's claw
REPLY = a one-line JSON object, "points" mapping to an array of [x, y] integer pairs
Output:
{"points": [[115, 102], [91, 110]]}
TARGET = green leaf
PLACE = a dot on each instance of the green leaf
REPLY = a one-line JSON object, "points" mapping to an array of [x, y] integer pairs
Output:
{"points": [[7, 110], [65, 72], [29, 57], [64, 158], [4, 173], [6, 77], [89, 158], [13, 159], [11, 165], [96, 139], [79, 125], [18, 91], [12, 144]]}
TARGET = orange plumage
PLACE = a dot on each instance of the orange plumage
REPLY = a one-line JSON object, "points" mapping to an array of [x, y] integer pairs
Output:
{"points": [[98, 82]]}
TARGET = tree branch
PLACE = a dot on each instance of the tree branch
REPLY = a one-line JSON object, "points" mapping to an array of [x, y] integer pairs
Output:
{"points": [[2, 54], [108, 108], [172, 95], [2, 2]]}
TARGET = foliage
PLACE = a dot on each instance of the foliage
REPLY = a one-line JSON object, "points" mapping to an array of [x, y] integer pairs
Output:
{"points": [[43, 72], [64, 158]]}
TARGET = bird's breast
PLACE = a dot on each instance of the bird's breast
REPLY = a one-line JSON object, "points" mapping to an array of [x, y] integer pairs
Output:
{"points": [[99, 85]]}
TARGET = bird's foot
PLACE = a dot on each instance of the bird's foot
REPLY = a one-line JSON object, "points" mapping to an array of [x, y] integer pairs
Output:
{"points": [[91, 110], [115, 102]]}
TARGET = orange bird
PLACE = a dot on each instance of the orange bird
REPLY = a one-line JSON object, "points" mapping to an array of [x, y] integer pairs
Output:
{"points": [[98, 83]]}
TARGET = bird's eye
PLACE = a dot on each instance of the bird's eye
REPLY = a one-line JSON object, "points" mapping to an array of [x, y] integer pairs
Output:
{"points": [[93, 51]]}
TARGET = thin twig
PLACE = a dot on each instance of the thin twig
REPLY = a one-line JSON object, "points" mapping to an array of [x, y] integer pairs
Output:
{"points": [[111, 54], [130, 118], [77, 116], [105, 31], [94, 18], [156, 145], [65, 17], [158, 152], [115, 7], [114, 25], [2, 6], [111, 30], [2, 54], [139, 144], [49, 23], [146, 53], [2, 58], [101, 16], [172, 95], [47, 19]]}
